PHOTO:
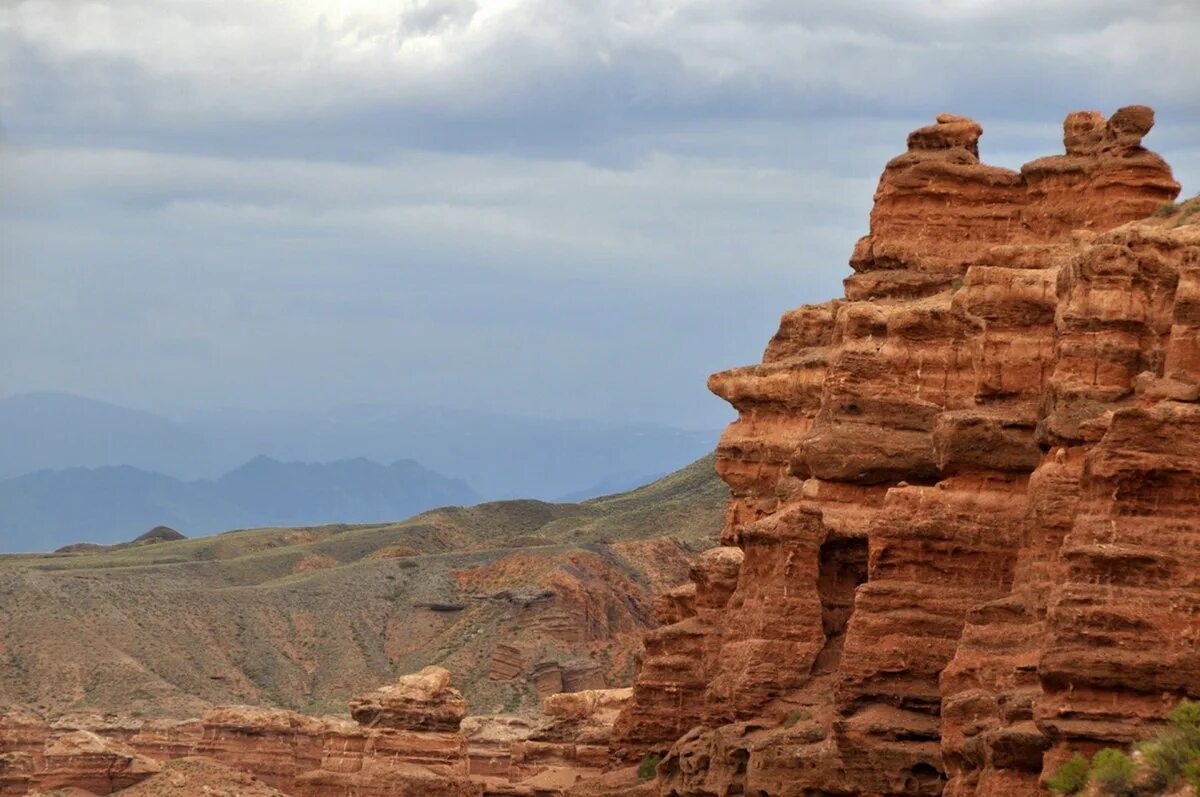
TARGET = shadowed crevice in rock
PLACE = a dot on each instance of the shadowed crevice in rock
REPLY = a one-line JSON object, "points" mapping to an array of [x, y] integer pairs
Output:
{"points": [[842, 567]]}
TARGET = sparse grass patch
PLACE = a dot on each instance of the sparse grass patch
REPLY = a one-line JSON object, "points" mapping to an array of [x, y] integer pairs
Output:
{"points": [[1191, 774], [645, 770], [794, 716]]}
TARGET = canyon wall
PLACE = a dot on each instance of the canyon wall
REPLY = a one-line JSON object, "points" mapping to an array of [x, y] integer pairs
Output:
{"points": [[962, 538], [406, 741], [412, 738]]}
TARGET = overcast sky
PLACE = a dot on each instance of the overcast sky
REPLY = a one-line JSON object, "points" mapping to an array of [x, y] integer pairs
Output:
{"points": [[573, 208]]}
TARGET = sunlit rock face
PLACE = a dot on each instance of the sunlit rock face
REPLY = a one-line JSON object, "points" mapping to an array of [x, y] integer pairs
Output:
{"points": [[962, 534]]}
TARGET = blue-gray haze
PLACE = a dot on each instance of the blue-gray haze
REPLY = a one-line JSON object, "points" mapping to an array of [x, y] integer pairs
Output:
{"points": [[558, 209]]}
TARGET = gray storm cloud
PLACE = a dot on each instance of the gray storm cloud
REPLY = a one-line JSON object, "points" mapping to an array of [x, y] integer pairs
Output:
{"points": [[566, 208]]}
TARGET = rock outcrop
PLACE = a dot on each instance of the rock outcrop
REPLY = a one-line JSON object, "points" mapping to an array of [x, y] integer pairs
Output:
{"points": [[962, 533], [187, 777], [33, 757], [407, 743], [423, 701], [411, 738], [545, 755]]}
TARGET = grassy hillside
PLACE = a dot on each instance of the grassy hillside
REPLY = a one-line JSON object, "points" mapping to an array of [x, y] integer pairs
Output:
{"points": [[306, 617]]}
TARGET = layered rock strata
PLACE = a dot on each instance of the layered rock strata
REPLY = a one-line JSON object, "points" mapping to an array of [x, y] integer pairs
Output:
{"points": [[962, 533], [549, 754], [409, 738], [407, 743]]}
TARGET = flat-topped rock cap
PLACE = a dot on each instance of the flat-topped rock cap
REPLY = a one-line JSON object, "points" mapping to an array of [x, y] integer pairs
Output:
{"points": [[422, 701], [951, 130]]}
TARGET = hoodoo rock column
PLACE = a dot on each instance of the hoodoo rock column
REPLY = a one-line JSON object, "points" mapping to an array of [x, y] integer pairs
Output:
{"points": [[961, 496]]}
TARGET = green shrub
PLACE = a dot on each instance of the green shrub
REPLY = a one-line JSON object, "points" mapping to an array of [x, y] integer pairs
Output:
{"points": [[1071, 777], [1153, 776], [1165, 209], [1191, 774], [1113, 772], [1166, 756], [1185, 717], [649, 764], [1170, 755]]}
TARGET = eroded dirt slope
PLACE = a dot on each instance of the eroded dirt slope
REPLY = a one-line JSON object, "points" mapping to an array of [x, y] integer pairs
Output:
{"points": [[517, 599]]}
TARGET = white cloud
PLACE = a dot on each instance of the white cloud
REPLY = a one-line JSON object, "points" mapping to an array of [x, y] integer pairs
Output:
{"points": [[179, 63]]}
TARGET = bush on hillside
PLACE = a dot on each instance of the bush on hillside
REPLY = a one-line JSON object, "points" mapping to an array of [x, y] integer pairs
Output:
{"points": [[1113, 772], [1169, 760], [1071, 777], [1177, 751], [1185, 718]]}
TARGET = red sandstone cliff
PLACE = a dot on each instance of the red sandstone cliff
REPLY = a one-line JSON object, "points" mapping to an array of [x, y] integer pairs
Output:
{"points": [[962, 538]]}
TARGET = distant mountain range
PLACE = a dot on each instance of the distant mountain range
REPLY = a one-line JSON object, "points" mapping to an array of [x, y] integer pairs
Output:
{"points": [[500, 456], [51, 508], [76, 469]]}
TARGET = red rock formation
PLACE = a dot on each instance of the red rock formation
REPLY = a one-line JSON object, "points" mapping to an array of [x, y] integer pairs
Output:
{"points": [[962, 493], [32, 755], [549, 754], [680, 658], [187, 777], [574, 623], [407, 742], [421, 701]]}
